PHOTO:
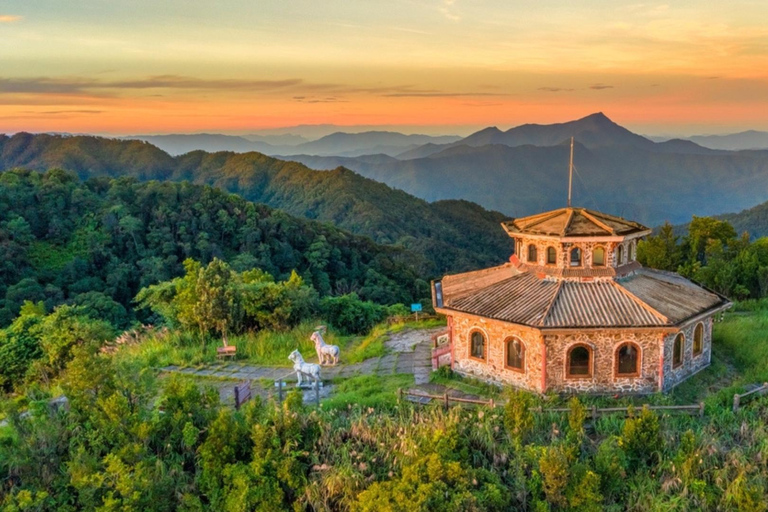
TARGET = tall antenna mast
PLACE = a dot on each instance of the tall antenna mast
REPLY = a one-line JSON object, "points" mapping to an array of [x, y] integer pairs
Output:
{"points": [[570, 175]]}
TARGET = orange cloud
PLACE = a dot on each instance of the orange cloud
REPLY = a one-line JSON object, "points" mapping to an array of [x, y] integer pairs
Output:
{"points": [[9, 18]]}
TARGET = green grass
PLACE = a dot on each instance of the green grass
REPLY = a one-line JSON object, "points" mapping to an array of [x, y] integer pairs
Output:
{"points": [[372, 345], [465, 384], [368, 391]]}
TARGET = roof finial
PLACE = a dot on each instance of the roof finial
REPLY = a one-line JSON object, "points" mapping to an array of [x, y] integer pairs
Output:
{"points": [[570, 175]]}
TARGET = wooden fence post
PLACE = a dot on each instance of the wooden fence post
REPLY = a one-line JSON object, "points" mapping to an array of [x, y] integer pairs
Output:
{"points": [[445, 398], [317, 393], [399, 395], [736, 399], [491, 404], [280, 391], [701, 409], [237, 397], [594, 412]]}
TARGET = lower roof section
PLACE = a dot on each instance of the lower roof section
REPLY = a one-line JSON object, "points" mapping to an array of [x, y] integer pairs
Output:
{"points": [[647, 298]]}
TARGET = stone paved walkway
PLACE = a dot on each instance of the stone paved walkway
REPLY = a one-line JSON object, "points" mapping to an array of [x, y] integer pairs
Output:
{"points": [[410, 351]]}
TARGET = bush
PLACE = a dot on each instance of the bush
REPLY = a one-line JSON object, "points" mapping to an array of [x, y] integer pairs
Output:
{"points": [[518, 416], [641, 436], [351, 315]]}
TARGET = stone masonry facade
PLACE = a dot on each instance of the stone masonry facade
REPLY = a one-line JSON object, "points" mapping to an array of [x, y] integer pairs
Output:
{"points": [[691, 363], [494, 368], [603, 345], [629, 250]]}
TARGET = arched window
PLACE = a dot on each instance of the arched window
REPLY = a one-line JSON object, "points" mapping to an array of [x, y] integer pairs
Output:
{"points": [[515, 354], [598, 257], [551, 256], [698, 339], [632, 251], [628, 360], [575, 257], [579, 362], [477, 345], [620, 255], [677, 350], [532, 253]]}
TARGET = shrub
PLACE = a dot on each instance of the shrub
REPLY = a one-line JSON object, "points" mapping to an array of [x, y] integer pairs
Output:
{"points": [[553, 466], [518, 416], [351, 315], [611, 465], [641, 436]]}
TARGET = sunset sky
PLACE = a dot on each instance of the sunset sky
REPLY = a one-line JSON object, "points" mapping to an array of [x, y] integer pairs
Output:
{"points": [[442, 66]]}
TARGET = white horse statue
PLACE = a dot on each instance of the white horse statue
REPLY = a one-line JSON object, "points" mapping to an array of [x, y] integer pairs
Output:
{"points": [[326, 354], [309, 370]]}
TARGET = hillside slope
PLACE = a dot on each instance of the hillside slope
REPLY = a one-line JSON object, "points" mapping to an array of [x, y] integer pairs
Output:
{"points": [[348, 200], [100, 241], [671, 182]]}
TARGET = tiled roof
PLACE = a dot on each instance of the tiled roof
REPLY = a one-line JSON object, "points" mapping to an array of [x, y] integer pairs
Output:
{"points": [[522, 299], [646, 299], [597, 305], [573, 222], [671, 295]]}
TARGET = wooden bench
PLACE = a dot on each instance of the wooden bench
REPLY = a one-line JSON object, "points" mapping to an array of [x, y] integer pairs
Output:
{"points": [[228, 351]]}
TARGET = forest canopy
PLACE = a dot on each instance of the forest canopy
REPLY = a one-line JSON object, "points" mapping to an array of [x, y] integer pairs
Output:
{"points": [[95, 244]]}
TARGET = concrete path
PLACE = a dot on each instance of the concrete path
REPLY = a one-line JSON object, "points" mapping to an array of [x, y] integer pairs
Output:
{"points": [[409, 351]]}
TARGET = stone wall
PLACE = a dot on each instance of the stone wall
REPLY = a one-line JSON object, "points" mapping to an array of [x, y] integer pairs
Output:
{"points": [[494, 367], [604, 345], [691, 364], [563, 251]]}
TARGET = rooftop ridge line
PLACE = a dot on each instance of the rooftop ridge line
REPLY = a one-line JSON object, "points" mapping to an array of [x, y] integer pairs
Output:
{"points": [[567, 222], [551, 304], [597, 221]]}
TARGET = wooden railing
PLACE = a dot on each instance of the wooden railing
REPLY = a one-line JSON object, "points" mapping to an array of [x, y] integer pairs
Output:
{"points": [[757, 391], [446, 399]]}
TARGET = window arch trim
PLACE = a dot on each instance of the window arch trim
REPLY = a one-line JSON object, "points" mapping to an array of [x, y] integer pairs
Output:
{"points": [[677, 364], [638, 360], [594, 251], [580, 259], [590, 365], [507, 342], [698, 330], [620, 255], [551, 251], [533, 254], [484, 334]]}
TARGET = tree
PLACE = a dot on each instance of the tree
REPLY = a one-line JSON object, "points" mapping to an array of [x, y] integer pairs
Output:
{"points": [[660, 251], [218, 304]]}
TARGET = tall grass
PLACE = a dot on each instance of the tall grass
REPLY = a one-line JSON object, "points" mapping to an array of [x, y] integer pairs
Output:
{"points": [[263, 347]]}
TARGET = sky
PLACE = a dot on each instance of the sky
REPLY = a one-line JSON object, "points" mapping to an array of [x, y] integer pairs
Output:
{"points": [[429, 66]]}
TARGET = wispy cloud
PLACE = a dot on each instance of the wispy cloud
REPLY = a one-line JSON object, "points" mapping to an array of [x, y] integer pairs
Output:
{"points": [[79, 85], [554, 89], [448, 10], [314, 99], [9, 18], [600, 87]]}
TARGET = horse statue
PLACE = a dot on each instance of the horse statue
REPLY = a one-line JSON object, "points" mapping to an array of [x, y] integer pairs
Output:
{"points": [[326, 354], [309, 370]]}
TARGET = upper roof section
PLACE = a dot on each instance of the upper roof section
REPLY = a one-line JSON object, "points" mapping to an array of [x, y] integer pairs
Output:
{"points": [[573, 222]]}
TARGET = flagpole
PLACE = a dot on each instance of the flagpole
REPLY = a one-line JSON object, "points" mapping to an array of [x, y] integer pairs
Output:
{"points": [[570, 175]]}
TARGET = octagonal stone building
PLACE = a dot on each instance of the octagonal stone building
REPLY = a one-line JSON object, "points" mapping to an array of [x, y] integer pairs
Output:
{"points": [[573, 311]]}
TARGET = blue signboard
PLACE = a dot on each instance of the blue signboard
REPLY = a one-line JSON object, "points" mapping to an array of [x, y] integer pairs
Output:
{"points": [[415, 308]]}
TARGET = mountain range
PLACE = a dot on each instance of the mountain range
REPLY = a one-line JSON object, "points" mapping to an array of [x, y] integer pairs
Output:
{"points": [[525, 170], [339, 143]]}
